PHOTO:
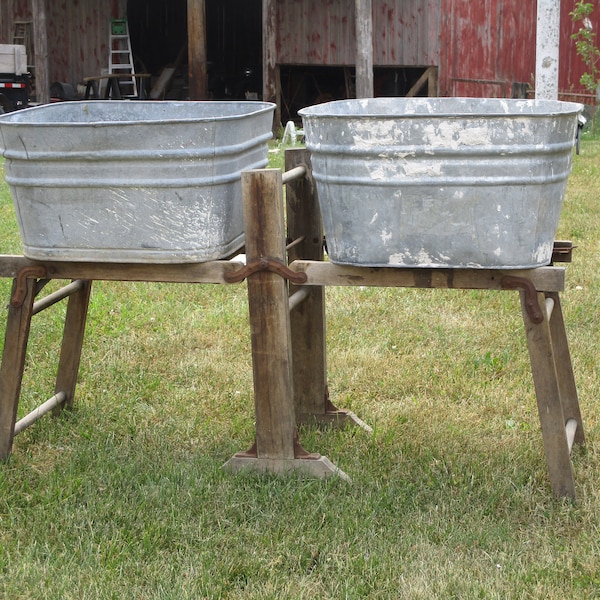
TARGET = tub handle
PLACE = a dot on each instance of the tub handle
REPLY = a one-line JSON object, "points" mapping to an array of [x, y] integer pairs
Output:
{"points": [[581, 121]]}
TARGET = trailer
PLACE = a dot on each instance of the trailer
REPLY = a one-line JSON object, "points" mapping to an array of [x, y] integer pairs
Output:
{"points": [[14, 78]]}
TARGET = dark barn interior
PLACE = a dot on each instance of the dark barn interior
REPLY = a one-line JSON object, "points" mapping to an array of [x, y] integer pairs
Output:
{"points": [[158, 33], [234, 50]]}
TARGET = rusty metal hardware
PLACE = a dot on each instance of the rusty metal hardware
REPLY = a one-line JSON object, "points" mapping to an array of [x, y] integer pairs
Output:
{"points": [[562, 251], [266, 264], [532, 306], [20, 291]]}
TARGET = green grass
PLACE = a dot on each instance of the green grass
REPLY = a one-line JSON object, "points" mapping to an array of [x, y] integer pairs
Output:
{"points": [[124, 496]]}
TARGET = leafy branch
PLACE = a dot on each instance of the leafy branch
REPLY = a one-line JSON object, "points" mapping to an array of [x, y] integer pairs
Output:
{"points": [[585, 43]]}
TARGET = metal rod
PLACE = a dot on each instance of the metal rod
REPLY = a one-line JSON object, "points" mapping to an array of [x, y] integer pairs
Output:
{"points": [[298, 297], [549, 306], [39, 412], [57, 296], [295, 242], [570, 429], [295, 173]]}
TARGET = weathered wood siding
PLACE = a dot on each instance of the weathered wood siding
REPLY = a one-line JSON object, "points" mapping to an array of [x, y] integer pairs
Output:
{"points": [[78, 33], [487, 46], [316, 32], [481, 48], [406, 32], [322, 32]]}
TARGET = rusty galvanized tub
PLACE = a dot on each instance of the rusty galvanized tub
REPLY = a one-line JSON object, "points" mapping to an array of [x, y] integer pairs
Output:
{"points": [[123, 181], [441, 182]]}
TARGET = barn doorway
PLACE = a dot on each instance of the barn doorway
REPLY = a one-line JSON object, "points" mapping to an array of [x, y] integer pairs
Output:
{"points": [[158, 33], [303, 85]]}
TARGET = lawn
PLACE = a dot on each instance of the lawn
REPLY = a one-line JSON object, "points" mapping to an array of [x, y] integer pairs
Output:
{"points": [[125, 497]]}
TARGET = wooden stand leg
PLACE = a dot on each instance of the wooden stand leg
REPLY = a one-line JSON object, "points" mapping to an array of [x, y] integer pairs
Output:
{"points": [[564, 369], [311, 396], [549, 389], [72, 342], [18, 324], [276, 447]]}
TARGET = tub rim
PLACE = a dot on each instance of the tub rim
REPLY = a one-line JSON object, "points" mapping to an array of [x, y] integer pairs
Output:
{"points": [[392, 108], [16, 118]]}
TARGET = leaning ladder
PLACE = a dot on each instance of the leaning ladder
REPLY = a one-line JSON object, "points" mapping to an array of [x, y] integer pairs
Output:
{"points": [[120, 61]]}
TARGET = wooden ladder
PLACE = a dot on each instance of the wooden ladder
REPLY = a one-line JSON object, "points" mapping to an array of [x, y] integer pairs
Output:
{"points": [[23, 36], [120, 60]]}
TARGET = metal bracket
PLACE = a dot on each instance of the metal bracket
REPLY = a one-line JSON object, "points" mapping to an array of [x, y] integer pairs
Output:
{"points": [[532, 306], [20, 290], [266, 264]]}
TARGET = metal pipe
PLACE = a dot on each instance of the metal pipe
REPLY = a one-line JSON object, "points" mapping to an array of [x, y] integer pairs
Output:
{"points": [[295, 242], [549, 307], [295, 173], [39, 412], [57, 296], [298, 297]]}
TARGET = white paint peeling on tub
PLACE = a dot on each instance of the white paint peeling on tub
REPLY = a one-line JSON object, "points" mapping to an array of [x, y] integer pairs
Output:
{"points": [[452, 133], [397, 259], [374, 218], [543, 252], [422, 168], [386, 236], [366, 134]]}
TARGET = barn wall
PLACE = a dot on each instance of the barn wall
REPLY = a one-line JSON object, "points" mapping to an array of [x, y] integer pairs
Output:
{"points": [[322, 32], [77, 34], [406, 32], [488, 46], [10, 11], [78, 37], [315, 32], [481, 48]]}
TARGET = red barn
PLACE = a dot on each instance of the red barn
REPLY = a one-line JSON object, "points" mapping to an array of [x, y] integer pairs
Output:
{"points": [[298, 52]]}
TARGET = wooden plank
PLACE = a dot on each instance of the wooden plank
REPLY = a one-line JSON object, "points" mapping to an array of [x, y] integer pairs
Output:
{"points": [[13, 363], [551, 279], [40, 44], [271, 85], [307, 320], [72, 342], [548, 395], [364, 48], [208, 272], [564, 369], [197, 53], [276, 448], [269, 317]]}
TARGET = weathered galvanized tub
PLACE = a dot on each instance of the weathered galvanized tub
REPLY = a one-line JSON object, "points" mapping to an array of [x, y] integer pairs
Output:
{"points": [[441, 182], [123, 181]]}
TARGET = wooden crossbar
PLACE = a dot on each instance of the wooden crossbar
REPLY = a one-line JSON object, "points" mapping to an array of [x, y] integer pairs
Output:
{"points": [[57, 296], [571, 430], [40, 411], [549, 279], [208, 272], [298, 297]]}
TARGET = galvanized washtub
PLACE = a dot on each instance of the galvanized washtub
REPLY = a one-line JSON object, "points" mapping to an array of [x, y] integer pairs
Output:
{"points": [[123, 181], [441, 182]]}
